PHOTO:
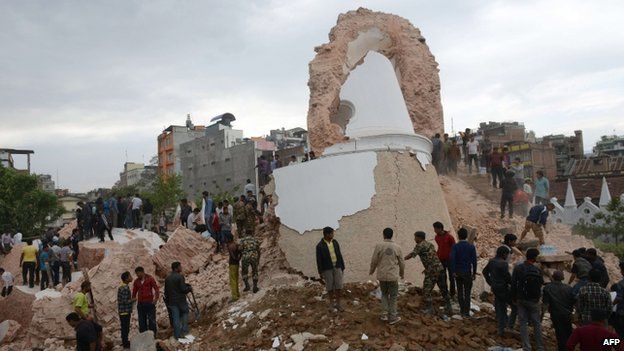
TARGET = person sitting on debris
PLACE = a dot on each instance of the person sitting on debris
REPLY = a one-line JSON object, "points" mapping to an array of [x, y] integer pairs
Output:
{"points": [[526, 291], [388, 261], [124, 307], [88, 333], [250, 254], [496, 274], [145, 291], [175, 299], [598, 263], [464, 269], [593, 296], [580, 271], [434, 272], [7, 282], [81, 303], [234, 263], [592, 336], [330, 266], [536, 221], [558, 297], [193, 218]]}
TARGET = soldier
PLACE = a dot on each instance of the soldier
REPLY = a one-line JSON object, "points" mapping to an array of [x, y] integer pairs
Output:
{"points": [[239, 215], [250, 253], [434, 272], [250, 216]]}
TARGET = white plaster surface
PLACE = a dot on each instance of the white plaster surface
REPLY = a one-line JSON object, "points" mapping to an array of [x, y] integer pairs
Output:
{"points": [[374, 91], [372, 39], [122, 236], [316, 194]]}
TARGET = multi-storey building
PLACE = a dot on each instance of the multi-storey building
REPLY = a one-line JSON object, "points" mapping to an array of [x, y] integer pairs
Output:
{"points": [[169, 142], [612, 145], [566, 148], [534, 157], [503, 133], [46, 183]]}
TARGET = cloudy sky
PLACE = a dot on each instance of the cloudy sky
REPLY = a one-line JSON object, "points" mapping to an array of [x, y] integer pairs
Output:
{"points": [[85, 83]]}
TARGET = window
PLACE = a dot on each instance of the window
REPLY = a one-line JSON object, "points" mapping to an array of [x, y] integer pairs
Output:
{"points": [[213, 163], [212, 144], [228, 179], [227, 159]]}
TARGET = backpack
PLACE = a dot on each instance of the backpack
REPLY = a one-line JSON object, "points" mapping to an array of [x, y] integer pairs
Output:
{"points": [[531, 284]]}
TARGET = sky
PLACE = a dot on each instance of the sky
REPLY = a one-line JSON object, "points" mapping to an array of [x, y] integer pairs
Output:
{"points": [[90, 85]]}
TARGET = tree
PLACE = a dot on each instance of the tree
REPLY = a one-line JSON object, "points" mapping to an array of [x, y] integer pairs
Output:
{"points": [[23, 205], [613, 218], [166, 192]]}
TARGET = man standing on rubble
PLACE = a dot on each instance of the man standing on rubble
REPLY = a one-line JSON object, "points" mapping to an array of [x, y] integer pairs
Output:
{"points": [[81, 303], [560, 301], [580, 271], [234, 263], [598, 263], [536, 221], [593, 297], [137, 203], [175, 299], [145, 291], [239, 215], [434, 272], [124, 307], [526, 291], [28, 262], [464, 268], [445, 242], [496, 274], [330, 266], [388, 261], [250, 254]]}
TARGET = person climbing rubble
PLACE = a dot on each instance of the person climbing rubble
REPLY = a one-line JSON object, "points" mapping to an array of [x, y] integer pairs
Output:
{"points": [[145, 291], [330, 266], [81, 304], [124, 307], [434, 272], [250, 254], [175, 299], [388, 261], [536, 221], [88, 333]]}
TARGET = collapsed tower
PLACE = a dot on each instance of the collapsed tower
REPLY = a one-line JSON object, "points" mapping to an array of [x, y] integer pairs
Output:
{"points": [[374, 102]]}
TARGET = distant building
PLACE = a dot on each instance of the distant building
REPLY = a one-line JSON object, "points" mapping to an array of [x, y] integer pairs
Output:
{"points": [[612, 145], [169, 142], [501, 133], [6, 158], [99, 192], [288, 138], [566, 148], [534, 157], [131, 174], [222, 160], [46, 183]]}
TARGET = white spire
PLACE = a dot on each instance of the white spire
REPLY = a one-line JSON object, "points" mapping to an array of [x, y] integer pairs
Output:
{"points": [[570, 200], [605, 195]]}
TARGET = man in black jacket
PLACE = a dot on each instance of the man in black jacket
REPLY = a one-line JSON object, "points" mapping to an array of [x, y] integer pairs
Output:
{"points": [[559, 298], [330, 267], [496, 274], [526, 291], [175, 299]]}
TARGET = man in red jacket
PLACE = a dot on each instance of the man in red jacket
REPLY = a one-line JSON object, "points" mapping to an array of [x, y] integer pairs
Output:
{"points": [[445, 242], [595, 336], [145, 291]]}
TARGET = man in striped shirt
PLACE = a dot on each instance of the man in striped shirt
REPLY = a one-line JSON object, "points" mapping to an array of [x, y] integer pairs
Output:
{"points": [[124, 306]]}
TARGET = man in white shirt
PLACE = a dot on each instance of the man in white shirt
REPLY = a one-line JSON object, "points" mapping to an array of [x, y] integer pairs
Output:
{"points": [[136, 211], [250, 187], [17, 238], [193, 218], [473, 152], [7, 282]]}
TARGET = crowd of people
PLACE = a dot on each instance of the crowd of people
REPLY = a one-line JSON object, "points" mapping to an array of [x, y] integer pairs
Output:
{"points": [[518, 191]]}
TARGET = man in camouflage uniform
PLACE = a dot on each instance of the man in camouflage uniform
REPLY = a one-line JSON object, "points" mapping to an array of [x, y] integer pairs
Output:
{"points": [[250, 216], [433, 271], [250, 253], [239, 215]]}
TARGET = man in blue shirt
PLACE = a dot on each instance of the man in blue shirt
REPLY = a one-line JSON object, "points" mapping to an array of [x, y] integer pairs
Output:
{"points": [[464, 268], [542, 187], [536, 220]]}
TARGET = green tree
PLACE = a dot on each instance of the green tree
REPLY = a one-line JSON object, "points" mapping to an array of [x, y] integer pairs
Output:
{"points": [[613, 219], [166, 192], [23, 205]]}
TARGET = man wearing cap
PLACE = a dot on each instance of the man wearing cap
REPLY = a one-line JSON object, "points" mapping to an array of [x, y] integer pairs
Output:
{"points": [[559, 299], [434, 272]]}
